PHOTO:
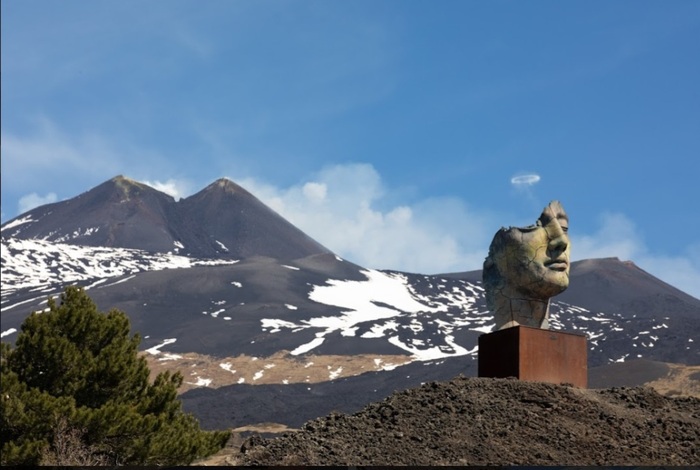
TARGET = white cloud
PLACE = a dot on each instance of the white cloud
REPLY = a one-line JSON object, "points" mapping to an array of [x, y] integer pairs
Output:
{"points": [[175, 188], [342, 209], [315, 192], [30, 201], [618, 237]]}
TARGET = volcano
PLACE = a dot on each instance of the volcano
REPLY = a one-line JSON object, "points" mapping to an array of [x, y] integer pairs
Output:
{"points": [[221, 221]]}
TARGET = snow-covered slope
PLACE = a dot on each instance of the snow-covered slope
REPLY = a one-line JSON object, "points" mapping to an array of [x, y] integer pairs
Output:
{"points": [[259, 307], [327, 306], [431, 318], [42, 266]]}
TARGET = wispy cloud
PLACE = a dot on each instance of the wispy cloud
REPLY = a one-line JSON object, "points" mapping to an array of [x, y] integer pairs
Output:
{"points": [[47, 154], [343, 207], [177, 188], [30, 201], [618, 236]]}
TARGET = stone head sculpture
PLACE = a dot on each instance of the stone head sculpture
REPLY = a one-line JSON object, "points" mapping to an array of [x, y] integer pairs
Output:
{"points": [[526, 266]]}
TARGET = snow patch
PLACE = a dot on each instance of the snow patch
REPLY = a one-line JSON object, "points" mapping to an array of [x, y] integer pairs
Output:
{"points": [[483, 329], [276, 325], [169, 357], [33, 264], [15, 223], [155, 349], [334, 374], [200, 382], [8, 332], [435, 352], [304, 348], [227, 366]]}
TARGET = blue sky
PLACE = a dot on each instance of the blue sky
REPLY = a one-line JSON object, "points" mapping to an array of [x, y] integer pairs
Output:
{"points": [[390, 131]]}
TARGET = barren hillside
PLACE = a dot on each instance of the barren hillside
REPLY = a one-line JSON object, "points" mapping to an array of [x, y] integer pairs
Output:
{"points": [[476, 421]]}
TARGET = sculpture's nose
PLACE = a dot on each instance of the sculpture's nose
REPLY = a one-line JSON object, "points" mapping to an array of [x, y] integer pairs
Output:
{"points": [[558, 238]]}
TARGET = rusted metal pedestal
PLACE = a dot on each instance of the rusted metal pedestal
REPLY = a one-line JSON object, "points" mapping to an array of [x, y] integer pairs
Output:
{"points": [[534, 355]]}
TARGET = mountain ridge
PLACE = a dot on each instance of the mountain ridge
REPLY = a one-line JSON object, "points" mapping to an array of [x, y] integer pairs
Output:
{"points": [[223, 220]]}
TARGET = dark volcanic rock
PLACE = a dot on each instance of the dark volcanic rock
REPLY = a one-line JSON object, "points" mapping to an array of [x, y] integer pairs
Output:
{"points": [[469, 421], [627, 374], [225, 219], [239, 405]]}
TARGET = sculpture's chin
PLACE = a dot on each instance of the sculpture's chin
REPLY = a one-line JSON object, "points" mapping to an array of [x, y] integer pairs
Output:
{"points": [[558, 279], [545, 287]]}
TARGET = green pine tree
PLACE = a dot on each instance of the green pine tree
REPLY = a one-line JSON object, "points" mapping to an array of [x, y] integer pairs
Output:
{"points": [[76, 392]]}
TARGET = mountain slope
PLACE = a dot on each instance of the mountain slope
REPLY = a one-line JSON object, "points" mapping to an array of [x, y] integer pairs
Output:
{"points": [[226, 220], [119, 213], [619, 286]]}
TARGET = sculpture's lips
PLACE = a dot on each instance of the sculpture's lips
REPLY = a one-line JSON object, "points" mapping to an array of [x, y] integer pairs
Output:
{"points": [[557, 264]]}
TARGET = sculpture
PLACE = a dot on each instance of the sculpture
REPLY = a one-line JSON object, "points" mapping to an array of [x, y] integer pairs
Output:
{"points": [[525, 267]]}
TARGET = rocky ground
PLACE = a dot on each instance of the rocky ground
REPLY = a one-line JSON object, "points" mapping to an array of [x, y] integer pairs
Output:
{"points": [[478, 421]]}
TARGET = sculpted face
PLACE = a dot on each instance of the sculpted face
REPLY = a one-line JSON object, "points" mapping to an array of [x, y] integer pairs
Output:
{"points": [[536, 261], [527, 266]]}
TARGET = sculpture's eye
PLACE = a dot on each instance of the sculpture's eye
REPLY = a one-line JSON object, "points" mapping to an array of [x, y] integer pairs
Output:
{"points": [[564, 224]]}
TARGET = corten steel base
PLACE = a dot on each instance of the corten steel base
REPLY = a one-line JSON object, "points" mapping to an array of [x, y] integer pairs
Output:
{"points": [[534, 355]]}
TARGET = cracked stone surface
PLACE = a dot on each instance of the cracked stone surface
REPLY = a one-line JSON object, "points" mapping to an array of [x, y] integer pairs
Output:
{"points": [[525, 267]]}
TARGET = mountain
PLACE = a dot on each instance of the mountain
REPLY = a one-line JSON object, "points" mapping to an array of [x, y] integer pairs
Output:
{"points": [[221, 221], [620, 286], [265, 319]]}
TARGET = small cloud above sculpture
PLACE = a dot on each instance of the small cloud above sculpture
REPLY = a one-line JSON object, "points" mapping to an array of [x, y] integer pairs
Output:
{"points": [[525, 180]]}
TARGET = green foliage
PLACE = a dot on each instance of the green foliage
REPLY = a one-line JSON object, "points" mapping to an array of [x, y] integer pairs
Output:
{"points": [[75, 385]]}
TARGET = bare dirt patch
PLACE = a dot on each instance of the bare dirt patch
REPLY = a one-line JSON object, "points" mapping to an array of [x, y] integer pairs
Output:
{"points": [[681, 380], [281, 368]]}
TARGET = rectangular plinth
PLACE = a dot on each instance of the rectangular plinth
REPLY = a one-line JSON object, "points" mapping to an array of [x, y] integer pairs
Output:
{"points": [[534, 355]]}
